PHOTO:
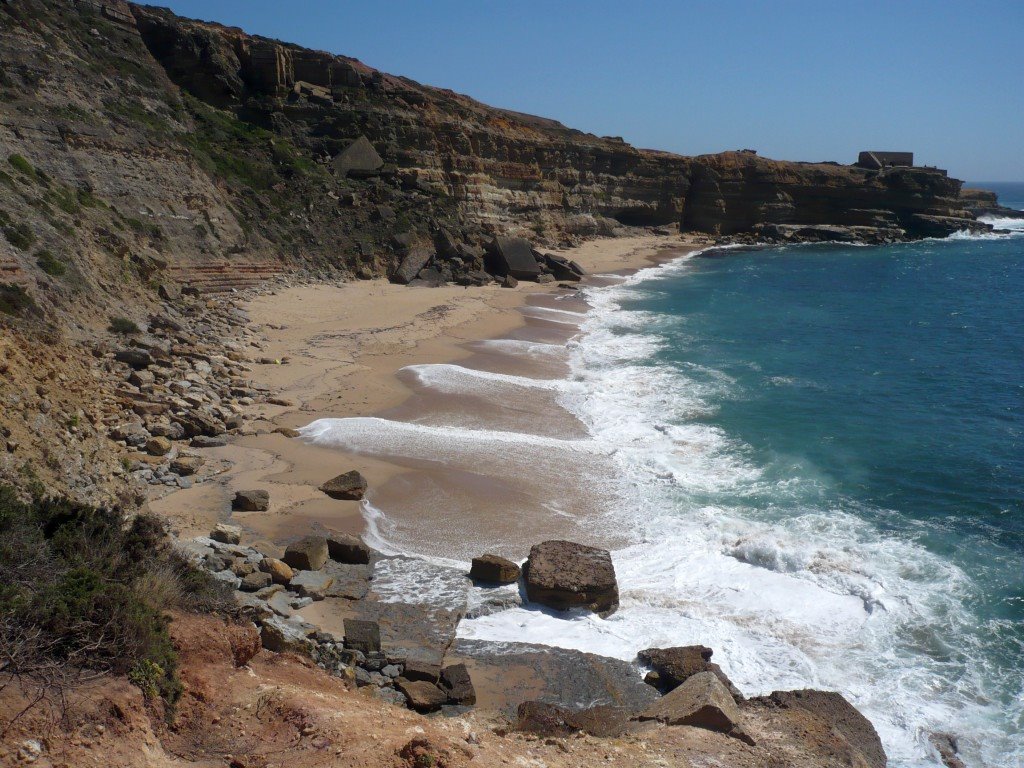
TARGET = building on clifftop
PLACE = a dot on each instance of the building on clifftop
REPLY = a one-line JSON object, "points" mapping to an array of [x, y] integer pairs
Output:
{"points": [[878, 161]]}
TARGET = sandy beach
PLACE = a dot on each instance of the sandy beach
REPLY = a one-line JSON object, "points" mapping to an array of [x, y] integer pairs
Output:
{"points": [[337, 352]]}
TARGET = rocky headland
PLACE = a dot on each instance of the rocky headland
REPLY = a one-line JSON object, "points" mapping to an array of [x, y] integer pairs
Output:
{"points": [[162, 177]]}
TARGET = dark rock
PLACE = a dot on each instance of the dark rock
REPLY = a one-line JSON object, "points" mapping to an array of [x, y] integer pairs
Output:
{"points": [[455, 680], [347, 549], [565, 575], [703, 702], [511, 256], [251, 501], [553, 721], [948, 749], [494, 570], [362, 635], [840, 715], [357, 159], [417, 669], [307, 554], [203, 441], [422, 696], [415, 260], [256, 581], [197, 423], [349, 486], [561, 268], [432, 276], [675, 665], [445, 245], [134, 357], [509, 282]]}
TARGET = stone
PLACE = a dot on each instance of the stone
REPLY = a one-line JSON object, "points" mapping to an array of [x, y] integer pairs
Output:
{"points": [[674, 666], [550, 720], [562, 269], [196, 423], [187, 465], [255, 581], [509, 282], [512, 256], [280, 573], [158, 446], [362, 635], [349, 486], [421, 695], [544, 279], [204, 441], [948, 748], [456, 682], [419, 669], [287, 432], [702, 702], [251, 501], [565, 575], [312, 584], [226, 534], [841, 716], [134, 357], [357, 159], [494, 570], [348, 549], [415, 260], [281, 603], [280, 635], [308, 553]]}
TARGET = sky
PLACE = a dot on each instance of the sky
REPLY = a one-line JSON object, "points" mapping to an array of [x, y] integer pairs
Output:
{"points": [[792, 79]]}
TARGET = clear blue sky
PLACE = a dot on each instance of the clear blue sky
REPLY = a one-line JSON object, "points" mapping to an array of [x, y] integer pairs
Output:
{"points": [[793, 79]]}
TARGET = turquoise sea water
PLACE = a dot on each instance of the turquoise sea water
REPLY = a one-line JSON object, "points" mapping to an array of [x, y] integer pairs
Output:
{"points": [[879, 389]]}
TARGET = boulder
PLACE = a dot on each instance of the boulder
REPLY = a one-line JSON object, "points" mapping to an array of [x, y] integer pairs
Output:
{"points": [[562, 268], [251, 501], [841, 716], [350, 486], [312, 584], [158, 446], [948, 748], [543, 719], [255, 581], [357, 159], [362, 635], [702, 702], [307, 554], [187, 465], [226, 534], [565, 575], [509, 282], [280, 573], [280, 635], [415, 260], [347, 549], [420, 669], [196, 423], [512, 256], [421, 695], [455, 681], [134, 357], [494, 570], [673, 666]]}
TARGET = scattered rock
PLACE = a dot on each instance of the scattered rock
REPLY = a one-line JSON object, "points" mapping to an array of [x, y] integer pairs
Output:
{"points": [[357, 159], [344, 548], [362, 635], [203, 441], [187, 465], [158, 446], [421, 695], [509, 282], [565, 575], [251, 501], [418, 669], [280, 573], [349, 486], [701, 701], [455, 681], [946, 744], [494, 570], [512, 256], [673, 666], [288, 432], [280, 635], [313, 584], [549, 720], [226, 534], [255, 581], [134, 357], [307, 554], [415, 260]]}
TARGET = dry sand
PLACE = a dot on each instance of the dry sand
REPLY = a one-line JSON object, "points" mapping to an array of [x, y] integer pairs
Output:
{"points": [[342, 347]]}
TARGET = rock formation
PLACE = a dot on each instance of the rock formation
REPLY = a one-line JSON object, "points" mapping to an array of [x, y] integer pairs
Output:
{"points": [[565, 575]]}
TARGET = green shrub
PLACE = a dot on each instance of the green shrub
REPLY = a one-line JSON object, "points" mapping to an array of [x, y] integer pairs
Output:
{"points": [[77, 593], [14, 301], [50, 264], [123, 325], [22, 165], [20, 235]]}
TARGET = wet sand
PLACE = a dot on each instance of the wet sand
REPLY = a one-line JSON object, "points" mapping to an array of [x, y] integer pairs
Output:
{"points": [[344, 348]]}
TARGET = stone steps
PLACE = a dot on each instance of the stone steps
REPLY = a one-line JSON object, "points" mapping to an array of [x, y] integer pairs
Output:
{"points": [[224, 277]]}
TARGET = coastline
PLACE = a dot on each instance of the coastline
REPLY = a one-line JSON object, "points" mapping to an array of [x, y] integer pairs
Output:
{"points": [[334, 351]]}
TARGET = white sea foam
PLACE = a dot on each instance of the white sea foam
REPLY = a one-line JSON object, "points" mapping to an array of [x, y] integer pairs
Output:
{"points": [[456, 379], [532, 349]]}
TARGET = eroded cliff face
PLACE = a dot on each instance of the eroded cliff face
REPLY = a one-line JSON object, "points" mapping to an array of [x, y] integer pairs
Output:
{"points": [[735, 192]]}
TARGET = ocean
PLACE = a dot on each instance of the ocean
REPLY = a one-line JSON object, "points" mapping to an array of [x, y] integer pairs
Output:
{"points": [[811, 459]]}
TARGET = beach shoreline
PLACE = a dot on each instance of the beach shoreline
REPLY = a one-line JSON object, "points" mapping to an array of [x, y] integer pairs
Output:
{"points": [[334, 351]]}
